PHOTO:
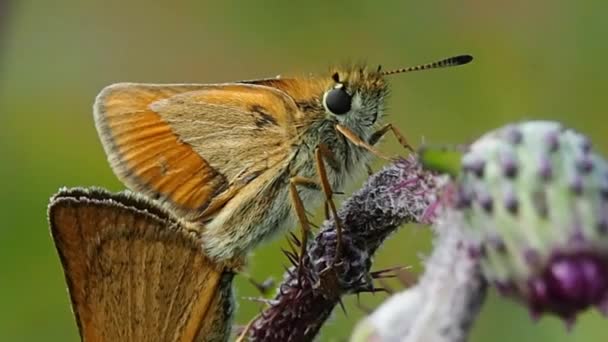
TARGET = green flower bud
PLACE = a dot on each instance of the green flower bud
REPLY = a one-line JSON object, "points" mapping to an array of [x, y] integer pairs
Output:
{"points": [[535, 197]]}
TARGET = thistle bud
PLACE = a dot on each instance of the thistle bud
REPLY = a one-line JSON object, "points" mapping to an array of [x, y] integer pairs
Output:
{"points": [[535, 198]]}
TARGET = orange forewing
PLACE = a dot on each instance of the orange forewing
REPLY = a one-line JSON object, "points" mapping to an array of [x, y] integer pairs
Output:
{"points": [[145, 152], [148, 133], [299, 89], [238, 98]]}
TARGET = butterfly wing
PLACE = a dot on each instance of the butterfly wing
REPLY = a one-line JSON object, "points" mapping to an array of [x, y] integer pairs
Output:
{"points": [[306, 92], [133, 273], [193, 146]]}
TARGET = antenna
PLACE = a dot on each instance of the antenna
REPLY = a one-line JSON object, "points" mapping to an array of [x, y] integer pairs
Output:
{"points": [[444, 63]]}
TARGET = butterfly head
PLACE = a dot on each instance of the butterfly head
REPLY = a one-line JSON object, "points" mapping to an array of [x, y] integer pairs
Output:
{"points": [[355, 96]]}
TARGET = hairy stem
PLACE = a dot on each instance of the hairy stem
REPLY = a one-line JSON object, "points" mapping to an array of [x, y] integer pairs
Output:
{"points": [[444, 303], [396, 195]]}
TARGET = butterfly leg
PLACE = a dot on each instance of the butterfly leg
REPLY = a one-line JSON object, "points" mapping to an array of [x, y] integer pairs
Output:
{"points": [[396, 132], [350, 135], [298, 206], [322, 153], [329, 283], [369, 169]]}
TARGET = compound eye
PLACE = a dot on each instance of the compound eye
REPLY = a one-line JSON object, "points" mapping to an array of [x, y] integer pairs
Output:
{"points": [[338, 101]]}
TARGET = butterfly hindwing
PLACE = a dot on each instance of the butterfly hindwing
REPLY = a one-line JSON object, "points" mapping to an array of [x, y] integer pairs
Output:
{"points": [[133, 272]]}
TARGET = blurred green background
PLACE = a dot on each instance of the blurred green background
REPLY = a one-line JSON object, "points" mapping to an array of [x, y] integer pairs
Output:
{"points": [[534, 59]]}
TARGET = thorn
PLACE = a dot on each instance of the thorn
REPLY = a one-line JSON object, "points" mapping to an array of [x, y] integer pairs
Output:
{"points": [[295, 239], [293, 259], [342, 306], [264, 301], [361, 281], [245, 331], [373, 290], [302, 293], [288, 271], [383, 275], [292, 246], [407, 278], [534, 315], [570, 321], [273, 315], [379, 289], [369, 169], [362, 307], [400, 272], [299, 276], [238, 329], [385, 285], [262, 287], [291, 256], [603, 307], [380, 273], [299, 294]]}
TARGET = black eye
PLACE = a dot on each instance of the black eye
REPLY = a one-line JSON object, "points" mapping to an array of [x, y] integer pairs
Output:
{"points": [[338, 101]]}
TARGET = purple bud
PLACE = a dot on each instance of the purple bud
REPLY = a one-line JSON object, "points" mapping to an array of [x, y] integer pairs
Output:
{"points": [[569, 284], [538, 291], [545, 170], [552, 141], [532, 257], [604, 189], [584, 164], [505, 287], [603, 307], [602, 225], [475, 166], [476, 251], [509, 166], [578, 237], [497, 244], [595, 279], [514, 135], [567, 280], [485, 201], [511, 202], [463, 198], [586, 145], [576, 185]]}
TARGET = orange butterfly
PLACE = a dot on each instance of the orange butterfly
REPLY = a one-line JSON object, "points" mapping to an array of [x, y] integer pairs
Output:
{"points": [[227, 165]]}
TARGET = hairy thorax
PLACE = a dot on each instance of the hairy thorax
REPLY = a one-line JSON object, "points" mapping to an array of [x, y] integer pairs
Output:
{"points": [[266, 207]]}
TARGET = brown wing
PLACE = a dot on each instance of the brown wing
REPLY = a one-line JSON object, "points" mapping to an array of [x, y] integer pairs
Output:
{"points": [[133, 273], [193, 145], [217, 325]]}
